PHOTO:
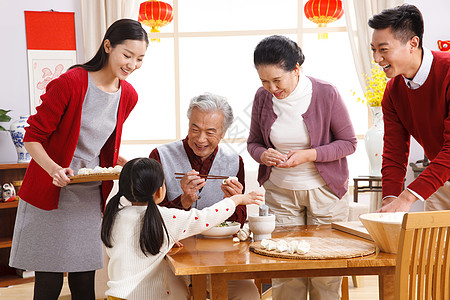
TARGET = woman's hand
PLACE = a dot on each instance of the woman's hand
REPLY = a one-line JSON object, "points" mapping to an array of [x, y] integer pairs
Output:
{"points": [[250, 198], [121, 161], [60, 178], [232, 187], [298, 157], [56, 172], [272, 157]]}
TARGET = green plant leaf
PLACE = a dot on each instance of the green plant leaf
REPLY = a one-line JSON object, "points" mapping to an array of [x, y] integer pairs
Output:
{"points": [[2, 128], [4, 115]]}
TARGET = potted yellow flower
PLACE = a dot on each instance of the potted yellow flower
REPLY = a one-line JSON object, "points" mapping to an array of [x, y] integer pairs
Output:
{"points": [[375, 86]]}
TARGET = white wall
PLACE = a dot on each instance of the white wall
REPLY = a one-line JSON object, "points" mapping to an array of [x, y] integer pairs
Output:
{"points": [[436, 19], [13, 53]]}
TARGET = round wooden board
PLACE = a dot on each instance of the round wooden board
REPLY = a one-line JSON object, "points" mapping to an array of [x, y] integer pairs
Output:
{"points": [[94, 177], [321, 248]]}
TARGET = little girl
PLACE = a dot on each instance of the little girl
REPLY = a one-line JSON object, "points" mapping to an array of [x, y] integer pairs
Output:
{"points": [[138, 236]]}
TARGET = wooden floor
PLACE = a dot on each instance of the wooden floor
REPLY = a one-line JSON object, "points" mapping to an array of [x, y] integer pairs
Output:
{"points": [[367, 290]]}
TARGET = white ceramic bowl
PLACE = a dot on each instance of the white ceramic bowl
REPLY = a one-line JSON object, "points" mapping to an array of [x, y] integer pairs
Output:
{"points": [[261, 226], [384, 228], [223, 231]]}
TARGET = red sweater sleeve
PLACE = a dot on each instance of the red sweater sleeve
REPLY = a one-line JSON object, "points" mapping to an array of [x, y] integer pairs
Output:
{"points": [[395, 148]]}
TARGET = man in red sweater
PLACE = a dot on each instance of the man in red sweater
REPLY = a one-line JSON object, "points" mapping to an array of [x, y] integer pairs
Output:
{"points": [[416, 103]]}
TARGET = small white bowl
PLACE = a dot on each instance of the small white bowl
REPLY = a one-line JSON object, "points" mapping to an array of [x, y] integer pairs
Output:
{"points": [[384, 228], [261, 226], [223, 231]]}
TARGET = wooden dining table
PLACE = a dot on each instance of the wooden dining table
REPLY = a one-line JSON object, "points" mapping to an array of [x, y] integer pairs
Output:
{"points": [[222, 260]]}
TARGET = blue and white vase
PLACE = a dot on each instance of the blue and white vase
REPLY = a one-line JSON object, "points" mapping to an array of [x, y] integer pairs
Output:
{"points": [[373, 140], [17, 130]]}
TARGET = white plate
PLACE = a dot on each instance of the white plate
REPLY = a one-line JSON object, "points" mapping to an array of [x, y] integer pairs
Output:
{"points": [[223, 231]]}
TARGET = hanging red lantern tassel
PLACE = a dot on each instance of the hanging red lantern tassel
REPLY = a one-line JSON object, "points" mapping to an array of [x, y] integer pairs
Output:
{"points": [[155, 14], [323, 12]]}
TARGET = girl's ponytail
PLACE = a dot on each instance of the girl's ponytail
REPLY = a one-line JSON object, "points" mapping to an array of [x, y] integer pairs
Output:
{"points": [[111, 210], [153, 228]]}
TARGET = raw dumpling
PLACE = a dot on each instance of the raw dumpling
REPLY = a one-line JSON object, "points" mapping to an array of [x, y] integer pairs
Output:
{"points": [[226, 180], [303, 247]]}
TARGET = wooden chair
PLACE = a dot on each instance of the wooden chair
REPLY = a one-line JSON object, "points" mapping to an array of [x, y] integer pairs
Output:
{"points": [[423, 258]]}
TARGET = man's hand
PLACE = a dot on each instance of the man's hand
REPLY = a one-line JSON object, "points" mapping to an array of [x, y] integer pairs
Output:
{"points": [[232, 187], [402, 203], [388, 200], [272, 157], [191, 183]]}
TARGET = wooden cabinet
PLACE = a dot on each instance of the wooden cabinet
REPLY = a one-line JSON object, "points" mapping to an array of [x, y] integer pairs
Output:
{"points": [[9, 172]]}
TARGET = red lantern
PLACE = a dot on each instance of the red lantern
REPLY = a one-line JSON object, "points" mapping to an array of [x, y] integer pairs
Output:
{"points": [[155, 14], [323, 12]]}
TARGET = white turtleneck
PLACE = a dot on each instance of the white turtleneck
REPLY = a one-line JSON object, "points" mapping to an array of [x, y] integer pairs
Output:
{"points": [[288, 133]]}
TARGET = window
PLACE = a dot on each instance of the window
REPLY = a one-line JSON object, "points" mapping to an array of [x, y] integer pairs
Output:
{"points": [[209, 48]]}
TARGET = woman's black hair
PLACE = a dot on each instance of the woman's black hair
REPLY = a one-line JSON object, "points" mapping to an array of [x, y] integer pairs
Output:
{"points": [[278, 50], [139, 180], [405, 21], [117, 33]]}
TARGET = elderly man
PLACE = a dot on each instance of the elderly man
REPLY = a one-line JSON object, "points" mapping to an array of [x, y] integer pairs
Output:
{"points": [[199, 154]]}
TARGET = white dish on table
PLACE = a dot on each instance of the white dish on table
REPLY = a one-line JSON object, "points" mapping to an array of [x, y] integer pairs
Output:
{"points": [[223, 230]]}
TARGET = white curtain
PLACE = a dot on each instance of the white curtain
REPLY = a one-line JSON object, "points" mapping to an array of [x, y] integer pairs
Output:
{"points": [[357, 14], [96, 17]]}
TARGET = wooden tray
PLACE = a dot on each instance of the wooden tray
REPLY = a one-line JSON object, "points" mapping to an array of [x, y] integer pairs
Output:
{"points": [[94, 177], [353, 227], [321, 248]]}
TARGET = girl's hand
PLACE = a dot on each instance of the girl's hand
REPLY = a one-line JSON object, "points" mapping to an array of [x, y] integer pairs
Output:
{"points": [[272, 157], [60, 178], [298, 157], [250, 198], [177, 245], [232, 187]]}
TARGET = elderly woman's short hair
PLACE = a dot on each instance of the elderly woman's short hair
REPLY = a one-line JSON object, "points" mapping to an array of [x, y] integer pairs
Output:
{"points": [[209, 102]]}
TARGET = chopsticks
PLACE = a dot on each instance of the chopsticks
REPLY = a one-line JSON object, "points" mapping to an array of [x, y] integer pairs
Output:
{"points": [[209, 176]]}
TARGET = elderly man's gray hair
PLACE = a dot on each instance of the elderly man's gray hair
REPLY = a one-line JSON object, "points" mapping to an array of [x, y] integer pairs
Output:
{"points": [[209, 102]]}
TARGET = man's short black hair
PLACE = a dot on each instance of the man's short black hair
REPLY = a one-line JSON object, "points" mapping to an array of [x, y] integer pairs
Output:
{"points": [[405, 22]]}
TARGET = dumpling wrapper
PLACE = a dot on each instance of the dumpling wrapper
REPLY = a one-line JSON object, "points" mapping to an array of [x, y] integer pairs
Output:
{"points": [[303, 247], [225, 181], [269, 245], [243, 234]]}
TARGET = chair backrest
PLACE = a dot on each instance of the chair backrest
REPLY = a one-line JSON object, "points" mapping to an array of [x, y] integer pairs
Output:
{"points": [[423, 258]]}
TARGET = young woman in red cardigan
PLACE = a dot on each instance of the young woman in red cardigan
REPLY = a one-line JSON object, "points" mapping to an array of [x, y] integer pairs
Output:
{"points": [[78, 124]]}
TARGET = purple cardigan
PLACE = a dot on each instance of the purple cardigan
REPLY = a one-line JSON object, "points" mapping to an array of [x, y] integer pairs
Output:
{"points": [[330, 130]]}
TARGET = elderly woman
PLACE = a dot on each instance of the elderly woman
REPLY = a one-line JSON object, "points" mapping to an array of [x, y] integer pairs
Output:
{"points": [[300, 135]]}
